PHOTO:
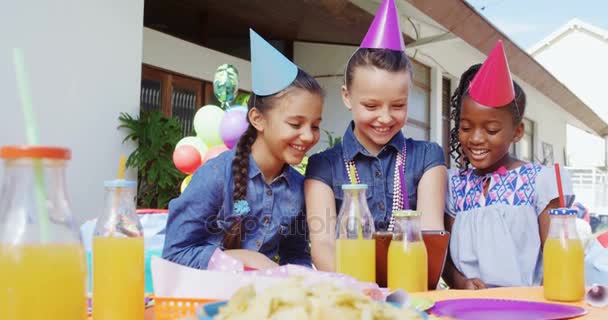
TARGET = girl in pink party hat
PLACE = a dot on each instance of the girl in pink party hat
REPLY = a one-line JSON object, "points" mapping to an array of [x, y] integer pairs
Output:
{"points": [[497, 205], [376, 88]]}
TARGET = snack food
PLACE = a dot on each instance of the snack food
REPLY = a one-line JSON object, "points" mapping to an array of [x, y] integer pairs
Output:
{"points": [[295, 299]]}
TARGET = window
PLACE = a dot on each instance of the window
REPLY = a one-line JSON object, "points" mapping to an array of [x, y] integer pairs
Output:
{"points": [[524, 149], [445, 118], [174, 95], [419, 118]]}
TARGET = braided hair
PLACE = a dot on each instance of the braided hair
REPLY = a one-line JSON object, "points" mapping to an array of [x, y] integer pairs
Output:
{"points": [[240, 164], [517, 108]]}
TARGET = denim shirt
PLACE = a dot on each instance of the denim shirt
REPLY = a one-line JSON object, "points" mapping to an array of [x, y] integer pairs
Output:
{"points": [[375, 171], [275, 226]]}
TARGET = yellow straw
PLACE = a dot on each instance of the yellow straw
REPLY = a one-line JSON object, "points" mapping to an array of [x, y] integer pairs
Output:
{"points": [[359, 221], [121, 167], [352, 174]]}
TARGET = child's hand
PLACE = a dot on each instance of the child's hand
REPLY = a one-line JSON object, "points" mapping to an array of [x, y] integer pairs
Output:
{"points": [[473, 284], [252, 259]]}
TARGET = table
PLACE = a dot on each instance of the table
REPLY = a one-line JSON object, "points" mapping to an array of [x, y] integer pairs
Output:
{"points": [[516, 293]]}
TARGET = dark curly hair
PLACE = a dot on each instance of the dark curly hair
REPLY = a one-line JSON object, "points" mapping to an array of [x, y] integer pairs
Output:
{"points": [[517, 108]]}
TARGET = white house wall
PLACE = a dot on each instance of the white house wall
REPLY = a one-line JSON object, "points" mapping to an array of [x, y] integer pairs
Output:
{"points": [[170, 53], [578, 59], [83, 60]]}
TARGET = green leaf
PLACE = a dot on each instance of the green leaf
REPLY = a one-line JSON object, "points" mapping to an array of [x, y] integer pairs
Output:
{"points": [[156, 137]]}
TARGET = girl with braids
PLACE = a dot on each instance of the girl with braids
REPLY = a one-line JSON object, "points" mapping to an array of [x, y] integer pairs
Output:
{"points": [[377, 84], [249, 201], [497, 205]]}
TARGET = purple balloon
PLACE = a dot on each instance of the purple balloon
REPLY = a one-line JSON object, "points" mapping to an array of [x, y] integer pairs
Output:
{"points": [[233, 125]]}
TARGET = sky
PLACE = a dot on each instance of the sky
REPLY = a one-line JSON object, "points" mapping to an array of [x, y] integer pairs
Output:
{"points": [[528, 21]]}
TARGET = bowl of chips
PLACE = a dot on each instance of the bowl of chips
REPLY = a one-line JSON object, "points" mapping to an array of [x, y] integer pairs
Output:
{"points": [[298, 299]]}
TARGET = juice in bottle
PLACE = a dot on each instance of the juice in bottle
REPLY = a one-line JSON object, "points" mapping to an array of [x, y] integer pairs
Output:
{"points": [[407, 256], [118, 257], [407, 266], [563, 258], [349, 252], [42, 264], [355, 252], [42, 282], [118, 263]]}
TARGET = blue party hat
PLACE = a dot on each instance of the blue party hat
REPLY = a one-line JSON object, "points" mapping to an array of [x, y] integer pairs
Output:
{"points": [[271, 72]]}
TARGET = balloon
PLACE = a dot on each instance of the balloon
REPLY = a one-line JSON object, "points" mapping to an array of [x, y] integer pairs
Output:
{"points": [[214, 152], [238, 107], [242, 99], [207, 124], [233, 125], [185, 183], [225, 83], [195, 142], [187, 159]]}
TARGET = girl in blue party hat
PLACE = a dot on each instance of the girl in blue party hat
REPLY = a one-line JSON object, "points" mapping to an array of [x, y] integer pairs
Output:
{"points": [[249, 201]]}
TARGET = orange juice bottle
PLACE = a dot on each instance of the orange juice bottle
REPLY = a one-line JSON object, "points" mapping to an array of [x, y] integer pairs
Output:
{"points": [[563, 258], [118, 256], [407, 256], [355, 246], [42, 263]]}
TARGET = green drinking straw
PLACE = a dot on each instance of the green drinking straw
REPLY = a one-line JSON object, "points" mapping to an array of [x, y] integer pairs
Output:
{"points": [[32, 139]]}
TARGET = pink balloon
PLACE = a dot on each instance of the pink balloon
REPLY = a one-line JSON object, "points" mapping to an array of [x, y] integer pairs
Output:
{"points": [[233, 125], [187, 159], [214, 152]]}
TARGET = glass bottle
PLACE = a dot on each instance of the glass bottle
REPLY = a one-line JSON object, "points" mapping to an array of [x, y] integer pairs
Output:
{"points": [[407, 256], [42, 263], [355, 246]]}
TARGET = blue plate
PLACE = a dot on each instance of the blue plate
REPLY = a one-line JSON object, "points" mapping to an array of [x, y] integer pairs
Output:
{"points": [[209, 310]]}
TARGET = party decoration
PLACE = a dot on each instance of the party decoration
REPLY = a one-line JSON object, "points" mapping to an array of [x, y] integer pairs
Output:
{"points": [[214, 152], [238, 107], [492, 86], [196, 142], [185, 183], [232, 126], [207, 124], [187, 159], [384, 32], [271, 72], [242, 99], [225, 84]]}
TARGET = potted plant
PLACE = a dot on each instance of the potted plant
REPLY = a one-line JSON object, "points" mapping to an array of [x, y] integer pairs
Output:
{"points": [[156, 136]]}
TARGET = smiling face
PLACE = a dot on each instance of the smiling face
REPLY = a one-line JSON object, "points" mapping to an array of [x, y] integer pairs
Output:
{"points": [[486, 134], [291, 128], [378, 100]]}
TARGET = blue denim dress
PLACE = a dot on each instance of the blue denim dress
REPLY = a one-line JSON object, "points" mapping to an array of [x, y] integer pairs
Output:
{"points": [[375, 171], [275, 226]]}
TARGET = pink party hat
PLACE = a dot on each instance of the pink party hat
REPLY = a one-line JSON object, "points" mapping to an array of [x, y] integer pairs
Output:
{"points": [[385, 33], [492, 86]]}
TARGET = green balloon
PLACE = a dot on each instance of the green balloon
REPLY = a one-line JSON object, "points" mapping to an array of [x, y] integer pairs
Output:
{"points": [[242, 99], [225, 83]]}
